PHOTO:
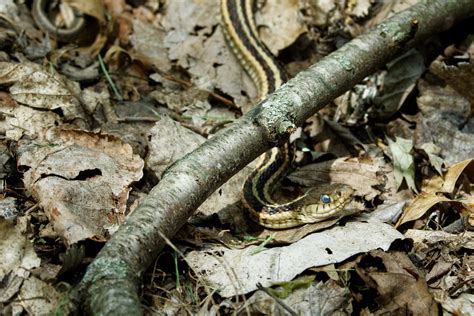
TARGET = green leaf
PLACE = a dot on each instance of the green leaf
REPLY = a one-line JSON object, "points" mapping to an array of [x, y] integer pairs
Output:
{"points": [[433, 151], [403, 162], [284, 289]]}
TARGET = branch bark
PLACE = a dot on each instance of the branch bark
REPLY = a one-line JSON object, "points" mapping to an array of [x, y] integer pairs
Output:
{"points": [[111, 283]]}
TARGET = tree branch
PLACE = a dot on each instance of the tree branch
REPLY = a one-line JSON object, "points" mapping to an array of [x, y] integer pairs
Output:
{"points": [[112, 280]]}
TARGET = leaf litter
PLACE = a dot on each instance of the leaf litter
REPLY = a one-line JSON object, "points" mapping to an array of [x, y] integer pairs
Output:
{"points": [[86, 199], [222, 267], [83, 161]]}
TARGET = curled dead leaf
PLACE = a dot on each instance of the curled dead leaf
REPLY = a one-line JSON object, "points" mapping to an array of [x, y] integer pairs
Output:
{"points": [[434, 193]]}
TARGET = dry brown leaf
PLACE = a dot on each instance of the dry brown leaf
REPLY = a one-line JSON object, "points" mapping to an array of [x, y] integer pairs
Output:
{"points": [[82, 181], [454, 172], [400, 285], [432, 190], [455, 305], [223, 268], [388, 8], [36, 90], [400, 80], [148, 45], [450, 273], [90, 7], [364, 175], [18, 258], [455, 145], [177, 100], [280, 24], [419, 206], [359, 8], [23, 120], [444, 116], [321, 11], [458, 70], [432, 185], [440, 268], [169, 141], [196, 45], [442, 98], [38, 297], [321, 298], [18, 255], [33, 86], [454, 241]]}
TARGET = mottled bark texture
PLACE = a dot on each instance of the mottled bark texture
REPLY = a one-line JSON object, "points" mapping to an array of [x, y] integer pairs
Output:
{"points": [[110, 286]]}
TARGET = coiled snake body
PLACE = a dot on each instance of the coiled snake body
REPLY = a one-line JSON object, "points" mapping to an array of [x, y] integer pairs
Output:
{"points": [[313, 206]]}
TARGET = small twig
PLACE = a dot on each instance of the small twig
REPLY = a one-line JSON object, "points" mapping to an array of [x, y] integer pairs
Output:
{"points": [[132, 119], [176, 269], [278, 300], [109, 79], [261, 247], [460, 285]]}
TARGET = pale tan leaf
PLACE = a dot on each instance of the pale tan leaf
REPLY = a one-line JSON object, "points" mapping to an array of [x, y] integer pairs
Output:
{"points": [[433, 152], [455, 171], [280, 24], [466, 239], [419, 206], [39, 297], [364, 175], [221, 267], [82, 180], [403, 162]]}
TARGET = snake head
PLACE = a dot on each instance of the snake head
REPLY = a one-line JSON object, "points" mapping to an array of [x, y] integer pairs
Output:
{"points": [[325, 203], [329, 194], [334, 193]]}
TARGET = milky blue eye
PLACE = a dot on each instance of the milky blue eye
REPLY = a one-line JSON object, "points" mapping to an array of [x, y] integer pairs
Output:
{"points": [[326, 199]]}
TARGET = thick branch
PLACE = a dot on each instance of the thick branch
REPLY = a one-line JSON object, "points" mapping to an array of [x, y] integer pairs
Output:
{"points": [[112, 280]]}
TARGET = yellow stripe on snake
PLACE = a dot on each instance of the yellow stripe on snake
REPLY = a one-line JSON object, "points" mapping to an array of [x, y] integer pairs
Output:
{"points": [[313, 206]]}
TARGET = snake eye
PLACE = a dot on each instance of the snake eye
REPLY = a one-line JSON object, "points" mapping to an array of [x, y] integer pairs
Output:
{"points": [[326, 199]]}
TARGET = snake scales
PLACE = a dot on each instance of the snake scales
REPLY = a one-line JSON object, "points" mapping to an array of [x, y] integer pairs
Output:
{"points": [[313, 206]]}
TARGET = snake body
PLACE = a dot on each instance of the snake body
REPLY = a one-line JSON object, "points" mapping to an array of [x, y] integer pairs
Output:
{"points": [[313, 206], [39, 10]]}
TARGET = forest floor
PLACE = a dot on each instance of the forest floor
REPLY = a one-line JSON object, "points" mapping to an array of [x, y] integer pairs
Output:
{"points": [[91, 120]]}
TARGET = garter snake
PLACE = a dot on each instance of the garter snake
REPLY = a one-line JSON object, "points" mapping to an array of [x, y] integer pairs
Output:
{"points": [[40, 9], [314, 206]]}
